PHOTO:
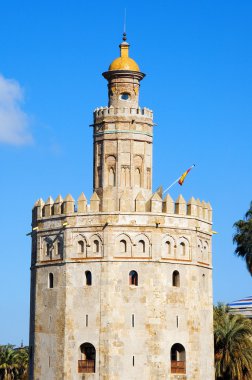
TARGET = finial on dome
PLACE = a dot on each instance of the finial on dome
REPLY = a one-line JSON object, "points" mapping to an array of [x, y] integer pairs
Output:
{"points": [[124, 36]]}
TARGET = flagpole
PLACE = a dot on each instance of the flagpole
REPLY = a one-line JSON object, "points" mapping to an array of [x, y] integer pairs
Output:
{"points": [[173, 183]]}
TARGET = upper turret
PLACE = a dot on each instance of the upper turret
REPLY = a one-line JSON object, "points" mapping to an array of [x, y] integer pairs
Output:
{"points": [[124, 62], [123, 76]]}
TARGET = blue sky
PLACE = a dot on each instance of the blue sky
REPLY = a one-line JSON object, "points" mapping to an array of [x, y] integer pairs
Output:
{"points": [[198, 58]]}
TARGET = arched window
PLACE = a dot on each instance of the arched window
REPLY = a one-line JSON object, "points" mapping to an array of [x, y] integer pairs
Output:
{"points": [[80, 246], [141, 246], [123, 246], [96, 246], [48, 248], [87, 362], [133, 278], [88, 278], [111, 177], [137, 177], [59, 248], [178, 359], [50, 280], [168, 247], [183, 248], [175, 278]]}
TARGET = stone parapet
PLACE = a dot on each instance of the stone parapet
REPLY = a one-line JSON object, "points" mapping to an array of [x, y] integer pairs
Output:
{"points": [[122, 111], [156, 205]]}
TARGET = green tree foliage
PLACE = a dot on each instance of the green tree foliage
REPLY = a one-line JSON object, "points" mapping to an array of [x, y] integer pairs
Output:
{"points": [[13, 362], [233, 345], [243, 238]]}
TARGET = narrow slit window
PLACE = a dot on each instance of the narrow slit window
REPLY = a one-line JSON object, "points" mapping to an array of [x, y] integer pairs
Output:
{"points": [[133, 278], [86, 320], [47, 249], [59, 247], [176, 278], [88, 278], [50, 280], [133, 361], [133, 320]]}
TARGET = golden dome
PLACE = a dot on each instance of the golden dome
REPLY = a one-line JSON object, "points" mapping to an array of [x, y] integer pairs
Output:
{"points": [[124, 62]]}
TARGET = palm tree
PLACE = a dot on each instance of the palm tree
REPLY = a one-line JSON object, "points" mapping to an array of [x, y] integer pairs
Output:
{"points": [[13, 363], [233, 345], [22, 360], [243, 238], [7, 362]]}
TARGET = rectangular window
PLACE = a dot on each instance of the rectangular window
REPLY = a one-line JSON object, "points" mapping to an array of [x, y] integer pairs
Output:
{"points": [[133, 361], [177, 321], [86, 320], [133, 320]]}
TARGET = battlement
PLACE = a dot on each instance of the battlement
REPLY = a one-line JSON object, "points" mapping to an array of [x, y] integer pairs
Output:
{"points": [[124, 111], [192, 208]]}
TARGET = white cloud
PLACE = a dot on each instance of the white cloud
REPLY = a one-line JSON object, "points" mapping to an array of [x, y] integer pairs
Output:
{"points": [[14, 122]]}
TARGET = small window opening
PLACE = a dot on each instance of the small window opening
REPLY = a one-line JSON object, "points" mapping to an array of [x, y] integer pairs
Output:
{"points": [[111, 177], [50, 280], [133, 361], [80, 246], [59, 247], [96, 246], [86, 320], [123, 246], [183, 249], [178, 359], [176, 278], [133, 278], [168, 247], [137, 177], [88, 278], [47, 249], [125, 96], [141, 246], [177, 320], [87, 362]]}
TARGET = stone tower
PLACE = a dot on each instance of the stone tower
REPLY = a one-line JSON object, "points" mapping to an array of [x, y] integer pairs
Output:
{"points": [[121, 288]]}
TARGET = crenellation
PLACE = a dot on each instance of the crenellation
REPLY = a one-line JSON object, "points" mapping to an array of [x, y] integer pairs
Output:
{"points": [[122, 111], [168, 205], [68, 205], [94, 203], [156, 203], [180, 206], [57, 207], [48, 208], [82, 203], [205, 210], [140, 202], [192, 207], [210, 211], [200, 209]]}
